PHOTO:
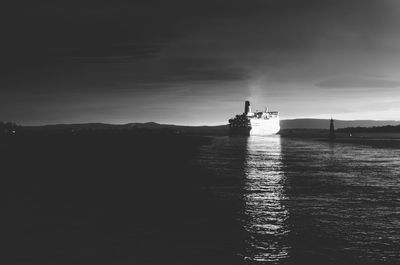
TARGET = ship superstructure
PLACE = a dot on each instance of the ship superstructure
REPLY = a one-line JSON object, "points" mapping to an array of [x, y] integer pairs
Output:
{"points": [[255, 123]]}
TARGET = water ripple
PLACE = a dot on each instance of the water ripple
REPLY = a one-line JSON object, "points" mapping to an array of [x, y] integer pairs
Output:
{"points": [[309, 202]]}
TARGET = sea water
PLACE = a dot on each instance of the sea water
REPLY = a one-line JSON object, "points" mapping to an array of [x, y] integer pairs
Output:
{"points": [[186, 200], [309, 202]]}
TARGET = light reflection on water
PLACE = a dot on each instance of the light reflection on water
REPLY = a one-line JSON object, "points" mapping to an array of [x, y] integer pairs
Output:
{"points": [[309, 202], [265, 216]]}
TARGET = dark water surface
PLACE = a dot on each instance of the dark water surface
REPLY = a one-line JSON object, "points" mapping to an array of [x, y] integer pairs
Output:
{"points": [[118, 199], [309, 202]]}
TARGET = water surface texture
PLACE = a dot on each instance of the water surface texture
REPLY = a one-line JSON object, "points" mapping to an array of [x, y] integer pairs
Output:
{"points": [[187, 200], [309, 202]]}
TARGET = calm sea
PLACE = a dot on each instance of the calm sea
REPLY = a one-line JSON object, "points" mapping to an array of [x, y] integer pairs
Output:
{"points": [[309, 202], [185, 200]]}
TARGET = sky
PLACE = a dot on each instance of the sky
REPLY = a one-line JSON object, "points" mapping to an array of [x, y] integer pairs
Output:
{"points": [[195, 62]]}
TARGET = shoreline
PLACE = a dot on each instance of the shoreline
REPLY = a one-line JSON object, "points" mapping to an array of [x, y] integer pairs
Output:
{"points": [[378, 140]]}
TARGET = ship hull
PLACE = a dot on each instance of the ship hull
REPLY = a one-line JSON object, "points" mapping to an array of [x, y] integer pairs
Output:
{"points": [[264, 127], [258, 127]]}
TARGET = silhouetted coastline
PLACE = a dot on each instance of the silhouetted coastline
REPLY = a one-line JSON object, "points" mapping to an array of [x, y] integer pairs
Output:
{"points": [[387, 136], [295, 127], [363, 137]]}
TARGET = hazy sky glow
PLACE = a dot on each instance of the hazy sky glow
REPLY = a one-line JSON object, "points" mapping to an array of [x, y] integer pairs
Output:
{"points": [[195, 62]]}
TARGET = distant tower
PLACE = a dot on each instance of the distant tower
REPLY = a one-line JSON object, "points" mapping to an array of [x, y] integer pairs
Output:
{"points": [[332, 131]]}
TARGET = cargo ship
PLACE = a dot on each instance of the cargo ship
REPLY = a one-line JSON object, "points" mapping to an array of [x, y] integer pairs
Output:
{"points": [[254, 123]]}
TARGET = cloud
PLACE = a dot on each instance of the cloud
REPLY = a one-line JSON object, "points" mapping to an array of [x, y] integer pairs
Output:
{"points": [[109, 53], [185, 70], [198, 50], [356, 82]]}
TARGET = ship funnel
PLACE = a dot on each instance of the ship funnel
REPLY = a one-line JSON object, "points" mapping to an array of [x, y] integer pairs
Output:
{"points": [[247, 107]]}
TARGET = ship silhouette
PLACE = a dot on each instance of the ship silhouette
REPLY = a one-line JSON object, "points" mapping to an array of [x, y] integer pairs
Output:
{"points": [[254, 123]]}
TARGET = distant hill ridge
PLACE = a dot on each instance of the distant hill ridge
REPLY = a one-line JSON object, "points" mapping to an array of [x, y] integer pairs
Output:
{"points": [[285, 124], [324, 123], [152, 126]]}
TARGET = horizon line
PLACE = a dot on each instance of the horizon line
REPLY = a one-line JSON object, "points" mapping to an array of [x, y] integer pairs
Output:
{"points": [[178, 124]]}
